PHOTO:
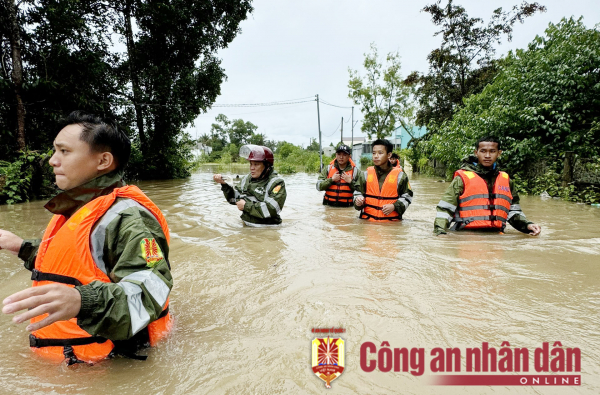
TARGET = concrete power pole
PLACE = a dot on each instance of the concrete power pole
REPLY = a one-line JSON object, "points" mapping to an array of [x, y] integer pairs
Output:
{"points": [[352, 141], [320, 146]]}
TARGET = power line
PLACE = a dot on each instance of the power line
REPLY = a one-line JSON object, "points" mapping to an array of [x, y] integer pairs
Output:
{"points": [[332, 105], [276, 103], [251, 112], [336, 129]]}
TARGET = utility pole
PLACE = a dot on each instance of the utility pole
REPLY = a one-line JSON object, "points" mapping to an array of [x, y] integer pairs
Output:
{"points": [[352, 142], [319, 123], [342, 133]]}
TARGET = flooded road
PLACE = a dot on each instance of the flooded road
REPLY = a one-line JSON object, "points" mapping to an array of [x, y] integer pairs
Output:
{"points": [[245, 299]]}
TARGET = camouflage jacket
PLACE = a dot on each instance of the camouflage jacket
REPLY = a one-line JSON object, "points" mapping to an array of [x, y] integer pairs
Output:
{"points": [[104, 306], [264, 198], [449, 202]]}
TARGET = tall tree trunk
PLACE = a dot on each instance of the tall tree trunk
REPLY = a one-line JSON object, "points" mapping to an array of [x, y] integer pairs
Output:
{"points": [[135, 82], [17, 70]]}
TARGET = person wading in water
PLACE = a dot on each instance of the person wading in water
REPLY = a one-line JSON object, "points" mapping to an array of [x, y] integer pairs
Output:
{"points": [[336, 179], [101, 275], [261, 194], [481, 196], [383, 192]]}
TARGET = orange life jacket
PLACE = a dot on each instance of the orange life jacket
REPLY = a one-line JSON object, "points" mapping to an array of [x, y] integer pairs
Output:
{"points": [[375, 199], [477, 209], [398, 165], [65, 257], [339, 192]]}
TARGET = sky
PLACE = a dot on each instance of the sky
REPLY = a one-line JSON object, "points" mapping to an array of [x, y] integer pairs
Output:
{"points": [[290, 50]]}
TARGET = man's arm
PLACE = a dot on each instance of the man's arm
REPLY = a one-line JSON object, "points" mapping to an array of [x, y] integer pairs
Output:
{"points": [[25, 249], [141, 278], [405, 194], [323, 182], [516, 218], [231, 194], [447, 206], [28, 252], [272, 205], [359, 185]]}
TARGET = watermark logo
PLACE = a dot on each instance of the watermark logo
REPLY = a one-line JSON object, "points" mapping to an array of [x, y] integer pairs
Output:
{"points": [[510, 366], [328, 355]]}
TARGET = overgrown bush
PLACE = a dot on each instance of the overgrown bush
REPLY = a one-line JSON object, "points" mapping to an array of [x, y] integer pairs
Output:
{"points": [[544, 101], [27, 178]]}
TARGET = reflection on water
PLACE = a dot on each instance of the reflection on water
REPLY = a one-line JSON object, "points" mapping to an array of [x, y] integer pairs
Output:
{"points": [[245, 299]]}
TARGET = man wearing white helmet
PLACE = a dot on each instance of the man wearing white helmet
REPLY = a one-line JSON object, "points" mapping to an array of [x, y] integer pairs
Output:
{"points": [[261, 194]]}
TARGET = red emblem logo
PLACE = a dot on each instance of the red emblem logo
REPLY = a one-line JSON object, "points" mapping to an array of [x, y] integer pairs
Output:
{"points": [[328, 358]]}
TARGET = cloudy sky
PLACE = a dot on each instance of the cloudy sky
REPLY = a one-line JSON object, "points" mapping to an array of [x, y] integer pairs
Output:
{"points": [[296, 49]]}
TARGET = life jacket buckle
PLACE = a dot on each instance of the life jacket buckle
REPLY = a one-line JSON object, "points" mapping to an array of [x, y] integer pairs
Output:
{"points": [[35, 275]]}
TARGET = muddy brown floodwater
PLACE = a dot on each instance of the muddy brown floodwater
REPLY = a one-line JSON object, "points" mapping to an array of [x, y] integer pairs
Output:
{"points": [[245, 299]]}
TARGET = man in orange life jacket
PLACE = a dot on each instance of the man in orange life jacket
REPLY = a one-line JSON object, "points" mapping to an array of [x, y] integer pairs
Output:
{"points": [[482, 197], [395, 160], [101, 273], [336, 179], [383, 192]]}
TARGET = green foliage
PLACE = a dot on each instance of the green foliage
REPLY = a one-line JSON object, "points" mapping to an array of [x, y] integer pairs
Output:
{"points": [[464, 64], [290, 158], [365, 161], [26, 178], [383, 97], [169, 73], [313, 146], [286, 168], [227, 136], [550, 182], [545, 101], [177, 160]]}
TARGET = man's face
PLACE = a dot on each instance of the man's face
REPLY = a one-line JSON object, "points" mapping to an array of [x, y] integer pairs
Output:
{"points": [[342, 159], [73, 161], [380, 155], [256, 168], [487, 153]]}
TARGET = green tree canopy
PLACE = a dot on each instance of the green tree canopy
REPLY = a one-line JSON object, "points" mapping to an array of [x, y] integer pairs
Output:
{"points": [[168, 74], [464, 64], [384, 99], [544, 101]]}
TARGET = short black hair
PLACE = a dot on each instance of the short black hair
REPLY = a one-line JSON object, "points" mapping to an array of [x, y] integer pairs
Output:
{"points": [[488, 139], [101, 135], [395, 156], [388, 146]]}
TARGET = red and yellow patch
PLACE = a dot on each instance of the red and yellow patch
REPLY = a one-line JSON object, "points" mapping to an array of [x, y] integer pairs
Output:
{"points": [[151, 252], [277, 189]]}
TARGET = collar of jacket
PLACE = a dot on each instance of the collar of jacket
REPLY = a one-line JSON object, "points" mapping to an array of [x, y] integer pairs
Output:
{"points": [[471, 164], [67, 202], [347, 168], [381, 171]]}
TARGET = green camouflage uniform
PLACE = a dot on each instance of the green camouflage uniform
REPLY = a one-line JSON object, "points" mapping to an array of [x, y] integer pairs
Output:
{"points": [[264, 198], [323, 183], [447, 206], [104, 306], [405, 193]]}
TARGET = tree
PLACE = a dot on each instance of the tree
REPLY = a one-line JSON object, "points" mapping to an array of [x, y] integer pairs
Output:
{"points": [[65, 65], [10, 18], [313, 146], [173, 58], [544, 101], [464, 64], [257, 139], [383, 97]]}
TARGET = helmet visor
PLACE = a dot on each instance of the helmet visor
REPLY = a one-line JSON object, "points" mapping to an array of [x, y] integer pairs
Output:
{"points": [[252, 152]]}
